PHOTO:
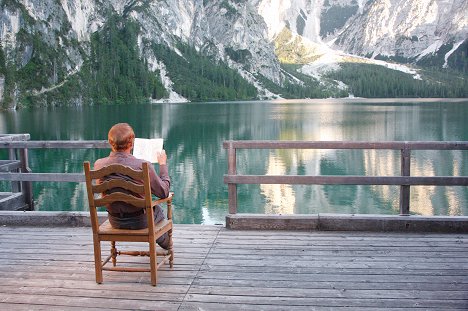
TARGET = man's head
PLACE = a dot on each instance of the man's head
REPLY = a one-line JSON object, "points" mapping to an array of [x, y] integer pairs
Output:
{"points": [[121, 137]]}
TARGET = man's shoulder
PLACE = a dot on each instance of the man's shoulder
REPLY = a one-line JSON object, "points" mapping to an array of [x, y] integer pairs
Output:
{"points": [[127, 160], [101, 162]]}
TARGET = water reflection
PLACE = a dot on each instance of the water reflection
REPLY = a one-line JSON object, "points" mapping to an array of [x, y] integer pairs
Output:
{"points": [[194, 134], [280, 199]]}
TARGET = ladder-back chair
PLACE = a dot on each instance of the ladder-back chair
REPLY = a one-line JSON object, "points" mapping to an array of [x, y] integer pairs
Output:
{"points": [[138, 195]]}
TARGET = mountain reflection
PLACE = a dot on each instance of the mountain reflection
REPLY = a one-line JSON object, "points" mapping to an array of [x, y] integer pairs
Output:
{"points": [[280, 199], [194, 134]]}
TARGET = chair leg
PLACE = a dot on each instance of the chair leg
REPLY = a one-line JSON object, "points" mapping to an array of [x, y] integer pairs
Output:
{"points": [[97, 259], [113, 253], [153, 262], [171, 250]]}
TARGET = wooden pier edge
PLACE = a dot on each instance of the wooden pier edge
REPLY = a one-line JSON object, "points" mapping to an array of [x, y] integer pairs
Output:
{"points": [[349, 222], [48, 218], [312, 222]]}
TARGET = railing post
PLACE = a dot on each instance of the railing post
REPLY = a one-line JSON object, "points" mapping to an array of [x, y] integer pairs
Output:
{"points": [[405, 189], [15, 185], [26, 186], [232, 188]]}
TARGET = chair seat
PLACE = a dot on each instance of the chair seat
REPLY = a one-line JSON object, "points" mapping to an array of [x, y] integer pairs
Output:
{"points": [[160, 228]]}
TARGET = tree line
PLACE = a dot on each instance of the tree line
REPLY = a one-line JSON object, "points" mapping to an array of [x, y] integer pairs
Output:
{"points": [[201, 78], [366, 80], [115, 71]]}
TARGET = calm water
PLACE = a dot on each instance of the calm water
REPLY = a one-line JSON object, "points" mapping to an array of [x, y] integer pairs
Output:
{"points": [[194, 134]]}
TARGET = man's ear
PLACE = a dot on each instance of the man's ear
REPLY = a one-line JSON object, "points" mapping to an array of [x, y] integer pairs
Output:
{"points": [[130, 144]]}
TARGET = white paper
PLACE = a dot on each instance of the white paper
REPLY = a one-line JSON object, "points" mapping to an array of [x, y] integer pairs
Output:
{"points": [[147, 149]]}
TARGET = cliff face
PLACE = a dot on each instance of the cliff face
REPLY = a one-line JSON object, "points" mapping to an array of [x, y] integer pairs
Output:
{"points": [[244, 34], [410, 29]]}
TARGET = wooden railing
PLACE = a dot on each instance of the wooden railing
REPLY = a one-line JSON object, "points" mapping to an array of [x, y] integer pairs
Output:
{"points": [[16, 168], [405, 181]]}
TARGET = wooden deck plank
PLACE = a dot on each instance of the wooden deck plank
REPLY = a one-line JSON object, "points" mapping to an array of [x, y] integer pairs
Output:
{"points": [[36, 307], [192, 306], [86, 302], [215, 268], [395, 302]]}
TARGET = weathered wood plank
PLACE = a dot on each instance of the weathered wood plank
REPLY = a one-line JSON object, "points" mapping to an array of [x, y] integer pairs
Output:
{"points": [[116, 293], [291, 272], [336, 293], [56, 144], [11, 137], [395, 302], [28, 307], [342, 284], [450, 254], [116, 280], [47, 177], [395, 145], [9, 165], [342, 180], [402, 277], [304, 261], [53, 268], [207, 306], [86, 302]]}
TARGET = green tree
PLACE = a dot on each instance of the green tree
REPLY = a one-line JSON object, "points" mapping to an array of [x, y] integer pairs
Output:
{"points": [[115, 72]]}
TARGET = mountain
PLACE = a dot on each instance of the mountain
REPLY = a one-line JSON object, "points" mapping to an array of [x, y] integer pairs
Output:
{"points": [[410, 30], [72, 52]]}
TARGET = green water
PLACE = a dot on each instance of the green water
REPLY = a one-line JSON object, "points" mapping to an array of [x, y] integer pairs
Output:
{"points": [[194, 134]]}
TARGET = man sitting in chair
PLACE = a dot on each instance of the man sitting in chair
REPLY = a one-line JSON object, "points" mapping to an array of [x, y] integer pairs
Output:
{"points": [[122, 215]]}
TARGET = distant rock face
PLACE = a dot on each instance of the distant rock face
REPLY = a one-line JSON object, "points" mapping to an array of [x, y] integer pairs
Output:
{"points": [[409, 29], [403, 28], [242, 33]]}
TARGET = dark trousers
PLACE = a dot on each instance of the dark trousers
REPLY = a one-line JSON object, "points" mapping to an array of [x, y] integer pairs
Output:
{"points": [[141, 222]]}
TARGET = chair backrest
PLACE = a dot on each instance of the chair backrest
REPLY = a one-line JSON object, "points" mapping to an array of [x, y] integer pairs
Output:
{"points": [[129, 189]]}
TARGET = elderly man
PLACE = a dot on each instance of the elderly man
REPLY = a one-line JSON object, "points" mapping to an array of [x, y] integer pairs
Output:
{"points": [[122, 215]]}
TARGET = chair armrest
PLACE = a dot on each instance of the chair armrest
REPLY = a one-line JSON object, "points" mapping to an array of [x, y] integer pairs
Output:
{"points": [[167, 200], [159, 201]]}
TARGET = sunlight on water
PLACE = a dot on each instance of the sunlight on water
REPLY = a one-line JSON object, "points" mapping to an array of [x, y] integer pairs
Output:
{"points": [[194, 134], [280, 199]]}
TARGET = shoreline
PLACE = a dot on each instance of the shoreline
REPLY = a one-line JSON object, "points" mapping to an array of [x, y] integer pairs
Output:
{"points": [[376, 100], [356, 100]]}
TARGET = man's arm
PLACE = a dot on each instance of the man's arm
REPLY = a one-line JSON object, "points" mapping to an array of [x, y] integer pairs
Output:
{"points": [[161, 184]]}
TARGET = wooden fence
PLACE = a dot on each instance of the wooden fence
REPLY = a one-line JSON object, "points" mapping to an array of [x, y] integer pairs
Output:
{"points": [[16, 168], [405, 181]]}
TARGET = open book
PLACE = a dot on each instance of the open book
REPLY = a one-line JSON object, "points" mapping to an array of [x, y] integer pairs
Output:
{"points": [[147, 149]]}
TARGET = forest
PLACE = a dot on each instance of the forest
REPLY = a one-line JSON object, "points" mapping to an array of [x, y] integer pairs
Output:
{"points": [[201, 78], [115, 72], [366, 80]]}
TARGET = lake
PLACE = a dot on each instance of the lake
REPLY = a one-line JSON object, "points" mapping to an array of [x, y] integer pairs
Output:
{"points": [[194, 132]]}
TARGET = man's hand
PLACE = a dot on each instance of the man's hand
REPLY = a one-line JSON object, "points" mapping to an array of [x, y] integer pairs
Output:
{"points": [[162, 157]]}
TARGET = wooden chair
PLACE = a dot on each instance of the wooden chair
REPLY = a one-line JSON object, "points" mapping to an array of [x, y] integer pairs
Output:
{"points": [[97, 197]]}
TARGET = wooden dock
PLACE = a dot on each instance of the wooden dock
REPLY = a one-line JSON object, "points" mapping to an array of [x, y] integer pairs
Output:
{"points": [[52, 268]]}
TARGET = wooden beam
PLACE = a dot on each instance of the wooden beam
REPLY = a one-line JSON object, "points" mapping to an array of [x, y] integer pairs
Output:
{"points": [[391, 145], [345, 180], [60, 177], [59, 144], [9, 165], [405, 189], [26, 186], [232, 187], [11, 137]]}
